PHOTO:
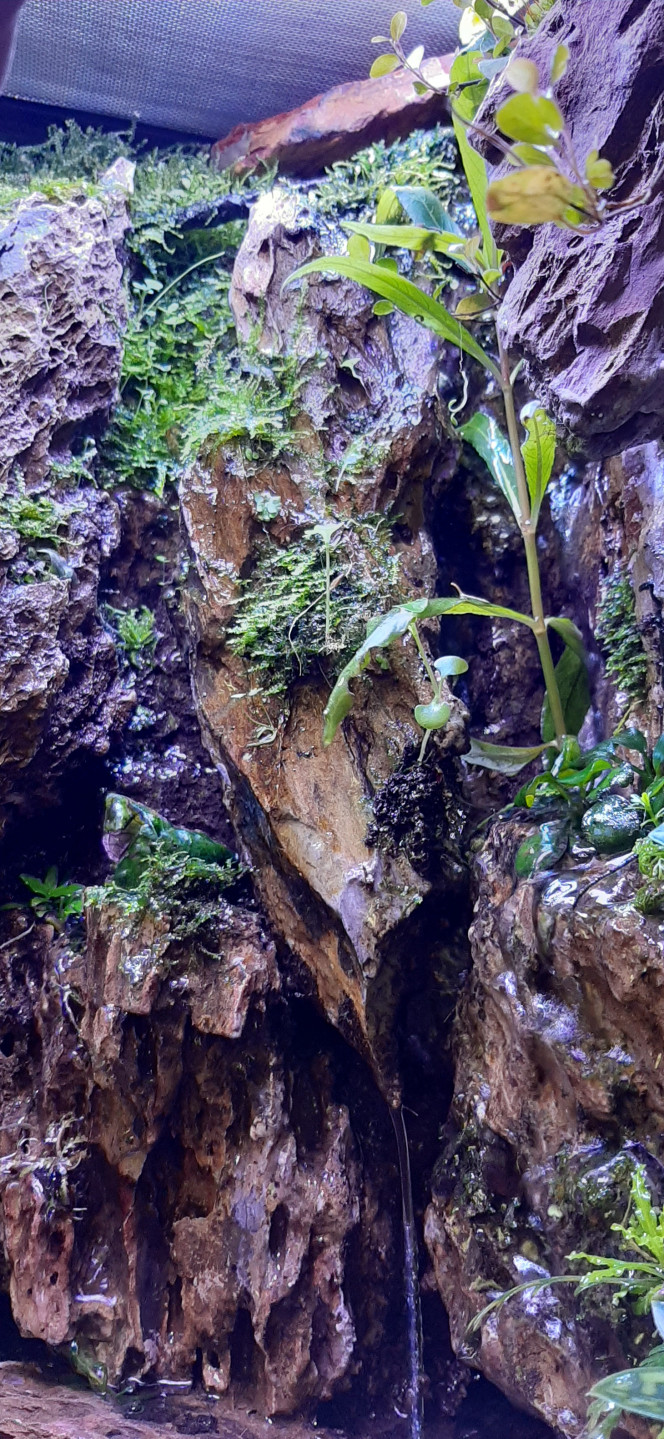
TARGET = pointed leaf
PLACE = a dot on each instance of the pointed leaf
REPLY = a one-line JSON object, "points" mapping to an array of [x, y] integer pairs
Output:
{"points": [[539, 453], [424, 208], [482, 432], [502, 758], [391, 627], [637, 1391], [657, 754], [571, 634], [572, 678], [559, 64], [406, 296], [475, 170]]}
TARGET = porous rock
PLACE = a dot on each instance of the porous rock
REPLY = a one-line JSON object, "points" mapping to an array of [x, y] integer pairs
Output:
{"points": [[584, 309], [559, 1040], [348, 913], [201, 1215]]}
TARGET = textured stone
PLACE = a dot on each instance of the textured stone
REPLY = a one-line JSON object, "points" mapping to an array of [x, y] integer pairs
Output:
{"points": [[334, 125], [584, 310], [559, 1037], [62, 317], [301, 811]]}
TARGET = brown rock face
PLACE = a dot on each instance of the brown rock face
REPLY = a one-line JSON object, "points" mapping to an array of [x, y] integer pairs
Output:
{"points": [[162, 1190], [348, 913], [559, 1039], [334, 125], [585, 309]]}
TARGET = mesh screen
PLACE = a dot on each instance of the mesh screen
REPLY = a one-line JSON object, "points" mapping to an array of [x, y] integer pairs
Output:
{"points": [[203, 65]]}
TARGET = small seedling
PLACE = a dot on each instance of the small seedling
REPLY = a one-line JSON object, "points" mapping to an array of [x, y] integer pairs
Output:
{"points": [[136, 634], [53, 901]]}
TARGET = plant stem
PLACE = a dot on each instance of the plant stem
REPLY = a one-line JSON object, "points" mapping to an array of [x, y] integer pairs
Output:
{"points": [[424, 658], [528, 531], [328, 611]]}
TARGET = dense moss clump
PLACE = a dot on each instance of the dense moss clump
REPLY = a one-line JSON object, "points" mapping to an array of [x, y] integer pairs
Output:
{"points": [[416, 813], [293, 621], [188, 892], [427, 157], [618, 634]]}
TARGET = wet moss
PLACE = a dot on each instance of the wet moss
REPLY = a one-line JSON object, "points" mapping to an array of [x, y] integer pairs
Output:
{"points": [[619, 637], [417, 812], [283, 628]]}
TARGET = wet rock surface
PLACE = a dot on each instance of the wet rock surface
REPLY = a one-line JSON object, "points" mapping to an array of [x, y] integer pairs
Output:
{"points": [[559, 1042], [584, 310], [349, 914]]}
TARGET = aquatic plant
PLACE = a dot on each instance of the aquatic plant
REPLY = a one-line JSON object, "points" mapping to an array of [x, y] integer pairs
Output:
{"points": [[619, 637]]}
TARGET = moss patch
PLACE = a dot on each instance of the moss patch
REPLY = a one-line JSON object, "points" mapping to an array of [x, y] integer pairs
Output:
{"points": [[618, 634], [280, 624]]}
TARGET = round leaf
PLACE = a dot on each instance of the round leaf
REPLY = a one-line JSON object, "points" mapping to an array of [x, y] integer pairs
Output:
{"points": [[522, 76], [398, 24], [384, 65], [530, 197], [432, 716], [532, 118], [448, 665]]}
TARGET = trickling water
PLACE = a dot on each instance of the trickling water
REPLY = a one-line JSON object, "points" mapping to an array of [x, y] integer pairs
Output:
{"points": [[411, 1279]]}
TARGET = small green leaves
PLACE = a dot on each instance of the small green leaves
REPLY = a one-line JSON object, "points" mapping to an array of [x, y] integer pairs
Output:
{"points": [[599, 173], [432, 716], [384, 65], [522, 76], [448, 665], [482, 432], [533, 118], [531, 196], [539, 452], [559, 63], [398, 24]]}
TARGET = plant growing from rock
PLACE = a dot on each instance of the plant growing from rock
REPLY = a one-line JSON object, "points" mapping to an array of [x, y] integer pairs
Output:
{"points": [[51, 900], [521, 461], [619, 638], [135, 633]]}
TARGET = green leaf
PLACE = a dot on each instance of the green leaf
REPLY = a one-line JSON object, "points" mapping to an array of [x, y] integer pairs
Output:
{"points": [[637, 1391], [542, 849], [383, 307], [36, 885], [398, 24], [413, 237], [502, 758], [432, 716], [472, 306], [533, 196], [391, 627], [533, 118], [539, 453], [384, 65], [571, 635], [405, 296], [465, 69], [572, 678], [424, 208], [599, 173], [358, 247], [657, 754], [476, 174], [485, 436], [559, 63], [448, 665], [531, 155], [521, 75], [388, 207]]}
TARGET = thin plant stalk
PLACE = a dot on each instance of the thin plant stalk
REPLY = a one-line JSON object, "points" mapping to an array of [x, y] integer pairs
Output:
{"points": [[529, 536]]}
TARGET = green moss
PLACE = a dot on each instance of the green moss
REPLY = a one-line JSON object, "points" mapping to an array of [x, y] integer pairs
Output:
{"points": [[618, 634], [186, 891], [280, 620], [427, 157], [33, 517], [135, 633], [536, 12]]}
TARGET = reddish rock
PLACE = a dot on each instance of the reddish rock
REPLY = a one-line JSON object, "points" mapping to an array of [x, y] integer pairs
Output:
{"points": [[334, 125]]}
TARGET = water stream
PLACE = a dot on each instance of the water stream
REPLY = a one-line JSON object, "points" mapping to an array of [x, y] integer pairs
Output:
{"points": [[411, 1279]]}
